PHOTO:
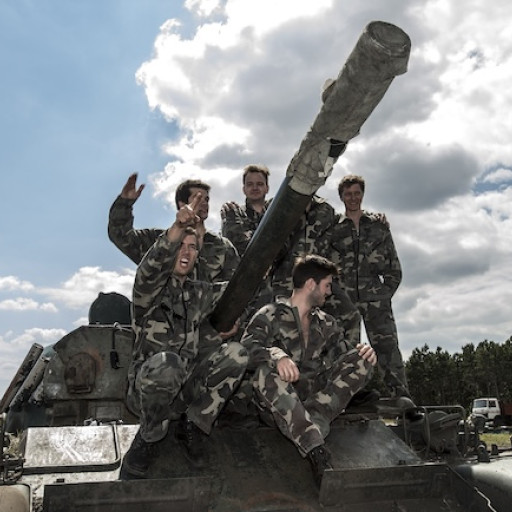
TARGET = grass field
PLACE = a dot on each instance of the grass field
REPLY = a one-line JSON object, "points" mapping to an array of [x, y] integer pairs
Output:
{"points": [[502, 440]]}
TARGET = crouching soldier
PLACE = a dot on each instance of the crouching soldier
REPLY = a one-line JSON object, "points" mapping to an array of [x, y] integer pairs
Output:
{"points": [[306, 373], [171, 377]]}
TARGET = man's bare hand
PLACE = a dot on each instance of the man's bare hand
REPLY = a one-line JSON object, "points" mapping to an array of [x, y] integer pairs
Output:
{"points": [[367, 353], [288, 370], [187, 214], [130, 190]]}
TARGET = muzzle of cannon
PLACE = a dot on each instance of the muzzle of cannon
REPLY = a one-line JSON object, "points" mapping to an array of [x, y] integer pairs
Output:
{"points": [[380, 54]]}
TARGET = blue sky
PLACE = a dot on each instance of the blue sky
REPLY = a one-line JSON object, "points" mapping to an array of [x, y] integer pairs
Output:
{"points": [[92, 91], [74, 122]]}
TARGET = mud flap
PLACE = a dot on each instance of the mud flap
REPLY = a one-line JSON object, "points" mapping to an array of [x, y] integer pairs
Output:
{"points": [[421, 488], [165, 495]]}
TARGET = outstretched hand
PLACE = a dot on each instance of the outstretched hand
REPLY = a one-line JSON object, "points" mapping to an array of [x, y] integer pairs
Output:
{"points": [[130, 190]]}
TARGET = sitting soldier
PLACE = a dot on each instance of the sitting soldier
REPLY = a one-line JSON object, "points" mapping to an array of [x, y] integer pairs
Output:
{"points": [[306, 373]]}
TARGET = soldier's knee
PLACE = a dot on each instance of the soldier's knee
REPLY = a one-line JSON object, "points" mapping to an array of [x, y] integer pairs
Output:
{"points": [[160, 368]]}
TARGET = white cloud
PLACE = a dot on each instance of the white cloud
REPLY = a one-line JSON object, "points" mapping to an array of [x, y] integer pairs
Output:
{"points": [[244, 87], [499, 176], [19, 304], [240, 83], [12, 283], [83, 287]]}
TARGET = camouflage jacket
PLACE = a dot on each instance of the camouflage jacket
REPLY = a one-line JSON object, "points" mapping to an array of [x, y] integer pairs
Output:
{"points": [[167, 314], [308, 237], [217, 259], [369, 264], [275, 332], [240, 223]]}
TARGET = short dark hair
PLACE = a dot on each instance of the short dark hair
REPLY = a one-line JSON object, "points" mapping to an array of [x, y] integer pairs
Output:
{"points": [[183, 190], [263, 169], [348, 181], [312, 266], [189, 230]]}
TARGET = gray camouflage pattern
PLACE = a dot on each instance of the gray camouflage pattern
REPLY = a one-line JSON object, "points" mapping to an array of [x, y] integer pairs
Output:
{"points": [[240, 222], [331, 371], [308, 237], [312, 236], [370, 274], [172, 366]]}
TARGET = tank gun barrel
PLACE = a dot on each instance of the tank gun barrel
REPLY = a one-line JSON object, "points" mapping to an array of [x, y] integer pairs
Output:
{"points": [[380, 54], [22, 373]]}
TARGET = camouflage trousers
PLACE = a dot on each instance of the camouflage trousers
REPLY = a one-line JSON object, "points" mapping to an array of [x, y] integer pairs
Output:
{"points": [[303, 410], [381, 330], [168, 385]]}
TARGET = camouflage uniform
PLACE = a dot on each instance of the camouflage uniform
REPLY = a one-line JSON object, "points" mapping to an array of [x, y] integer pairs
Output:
{"points": [[217, 259], [240, 223], [371, 274], [331, 371], [311, 236], [167, 377]]}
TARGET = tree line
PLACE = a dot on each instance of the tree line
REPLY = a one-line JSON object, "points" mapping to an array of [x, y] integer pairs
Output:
{"points": [[439, 378]]}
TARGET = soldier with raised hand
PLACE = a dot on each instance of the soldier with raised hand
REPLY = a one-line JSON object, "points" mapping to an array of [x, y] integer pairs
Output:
{"points": [[218, 257], [305, 371], [362, 246], [169, 377]]}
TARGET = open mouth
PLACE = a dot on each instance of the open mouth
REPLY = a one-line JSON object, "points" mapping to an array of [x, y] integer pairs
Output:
{"points": [[184, 262]]}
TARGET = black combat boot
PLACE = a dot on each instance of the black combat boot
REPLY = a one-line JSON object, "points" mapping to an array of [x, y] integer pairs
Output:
{"points": [[320, 460], [138, 458], [192, 438]]}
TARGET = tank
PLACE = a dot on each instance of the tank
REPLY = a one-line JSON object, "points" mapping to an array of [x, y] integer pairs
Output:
{"points": [[65, 426]]}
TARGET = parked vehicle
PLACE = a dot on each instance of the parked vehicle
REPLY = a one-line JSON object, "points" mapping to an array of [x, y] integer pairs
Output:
{"points": [[496, 411]]}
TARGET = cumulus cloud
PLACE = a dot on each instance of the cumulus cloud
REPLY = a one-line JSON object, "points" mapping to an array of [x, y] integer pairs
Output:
{"points": [[12, 283], [84, 286], [244, 86], [499, 176], [240, 82], [26, 304]]}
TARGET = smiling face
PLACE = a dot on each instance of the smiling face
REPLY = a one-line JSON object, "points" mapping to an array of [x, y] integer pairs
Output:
{"points": [[187, 256], [352, 197], [255, 186]]}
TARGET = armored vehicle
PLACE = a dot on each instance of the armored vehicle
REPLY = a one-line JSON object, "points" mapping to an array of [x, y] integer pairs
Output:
{"points": [[65, 426], [73, 429]]}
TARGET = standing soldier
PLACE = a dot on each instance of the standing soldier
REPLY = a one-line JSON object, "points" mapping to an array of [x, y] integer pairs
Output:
{"points": [[169, 378], [306, 373], [240, 222], [363, 248]]}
